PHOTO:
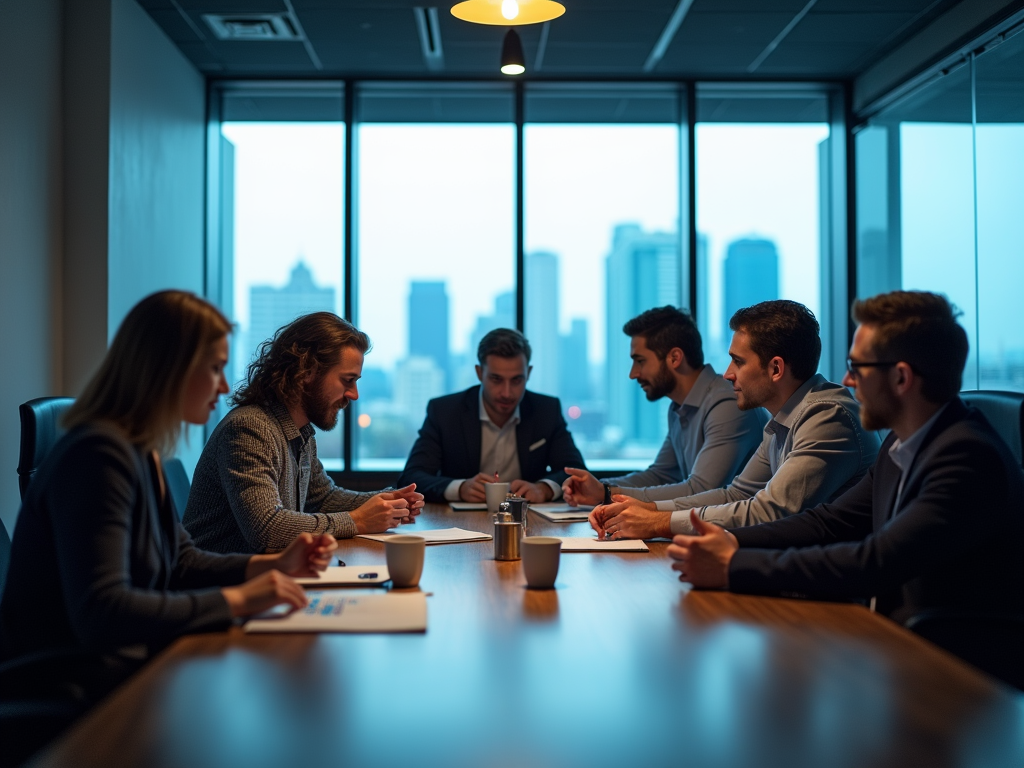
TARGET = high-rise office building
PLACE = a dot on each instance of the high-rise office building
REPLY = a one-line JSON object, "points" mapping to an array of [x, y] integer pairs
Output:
{"points": [[270, 307], [751, 275], [428, 323], [642, 271], [542, 321], [574, 380], [417, 381]]}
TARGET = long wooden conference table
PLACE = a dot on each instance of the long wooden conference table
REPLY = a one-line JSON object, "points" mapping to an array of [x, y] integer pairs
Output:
{"points": [[619, 665]]}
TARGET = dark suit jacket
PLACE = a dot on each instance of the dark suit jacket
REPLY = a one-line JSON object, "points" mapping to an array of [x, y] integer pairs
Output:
{"points": [[956, 540], [449, 443], [99, 564]]}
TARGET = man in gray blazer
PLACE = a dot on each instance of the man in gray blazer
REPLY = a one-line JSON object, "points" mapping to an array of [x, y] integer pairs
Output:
{"points": [[813, 449]]}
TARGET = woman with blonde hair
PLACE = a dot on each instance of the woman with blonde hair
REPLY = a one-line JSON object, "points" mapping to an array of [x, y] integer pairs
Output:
{"points": [[101, 569]]}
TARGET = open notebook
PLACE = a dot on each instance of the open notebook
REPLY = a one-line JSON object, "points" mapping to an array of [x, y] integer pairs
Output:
{"points": [[342, 611], [587, 544]]}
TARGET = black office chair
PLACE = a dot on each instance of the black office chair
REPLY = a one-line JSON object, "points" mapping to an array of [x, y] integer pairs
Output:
{"points": [[1005, 412], [177, 484], [40, 429]]}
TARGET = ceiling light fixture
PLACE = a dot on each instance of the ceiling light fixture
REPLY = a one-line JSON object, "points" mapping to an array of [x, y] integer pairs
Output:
{"points": [[508, 12], [512, 60]]}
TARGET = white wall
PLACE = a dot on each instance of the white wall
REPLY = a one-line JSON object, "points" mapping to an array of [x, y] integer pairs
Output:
{"points": [[30, 221]]}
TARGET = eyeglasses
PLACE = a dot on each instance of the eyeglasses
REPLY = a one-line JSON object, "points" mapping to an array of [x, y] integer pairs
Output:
{"points": [[854, 367]]}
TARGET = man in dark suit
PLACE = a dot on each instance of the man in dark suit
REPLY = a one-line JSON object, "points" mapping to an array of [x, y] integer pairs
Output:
{"points": [[939, 520], [495, 428]]}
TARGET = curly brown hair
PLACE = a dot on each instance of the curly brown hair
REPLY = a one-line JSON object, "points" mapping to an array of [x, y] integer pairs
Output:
{"points": [[299, 352]]}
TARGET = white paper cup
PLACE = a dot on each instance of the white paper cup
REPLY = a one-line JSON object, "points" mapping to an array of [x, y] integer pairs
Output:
{"points": [[540, 560], [495, 494], [404, 555]]}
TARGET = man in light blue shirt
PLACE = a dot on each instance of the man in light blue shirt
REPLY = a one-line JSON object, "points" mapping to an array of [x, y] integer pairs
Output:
{"points": [[709, 437], [813, 449]]}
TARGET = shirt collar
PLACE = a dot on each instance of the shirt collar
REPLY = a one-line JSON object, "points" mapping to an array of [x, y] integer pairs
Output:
{"points": [[785, 414], [280, 412], [485, 417], [700, 388], [903, 453]]}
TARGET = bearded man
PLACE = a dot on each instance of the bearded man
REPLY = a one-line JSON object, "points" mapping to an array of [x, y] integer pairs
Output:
{"points": [[259, 482], [709, 437]]}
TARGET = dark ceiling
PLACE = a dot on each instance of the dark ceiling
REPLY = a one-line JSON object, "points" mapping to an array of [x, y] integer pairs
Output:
{"points": [[756, 39]]}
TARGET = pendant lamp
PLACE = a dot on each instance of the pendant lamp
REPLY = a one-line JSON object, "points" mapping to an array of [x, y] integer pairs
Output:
{"points": [[508, 12], [512, 60]]}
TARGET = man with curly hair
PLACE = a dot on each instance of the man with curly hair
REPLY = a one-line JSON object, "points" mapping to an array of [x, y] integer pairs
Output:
{"points": [[259, 482]]}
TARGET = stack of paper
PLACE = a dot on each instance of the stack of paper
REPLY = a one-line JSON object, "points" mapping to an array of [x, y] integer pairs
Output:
{"points": [[340, 611], [435, 536], [348, 576], [468, 506], [586, 544], [561, 513]]}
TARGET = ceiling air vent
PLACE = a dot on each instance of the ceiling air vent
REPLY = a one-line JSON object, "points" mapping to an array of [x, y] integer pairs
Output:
{"points": [[253, 26]]}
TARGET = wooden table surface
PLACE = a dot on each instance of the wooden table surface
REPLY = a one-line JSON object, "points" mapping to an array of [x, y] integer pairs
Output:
{"points": [[619, 665]]}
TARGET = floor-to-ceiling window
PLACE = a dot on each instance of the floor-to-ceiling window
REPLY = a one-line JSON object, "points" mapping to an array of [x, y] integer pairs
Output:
{"points": [[763, 176], [281, 226], [429, 213], [435, 250], [602, 235]]}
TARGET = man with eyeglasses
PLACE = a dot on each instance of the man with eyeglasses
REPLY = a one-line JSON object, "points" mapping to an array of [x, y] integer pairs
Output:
{"points": [[938, 522], [813, 449]]}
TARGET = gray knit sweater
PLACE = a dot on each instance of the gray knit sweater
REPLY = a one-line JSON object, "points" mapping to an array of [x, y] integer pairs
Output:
{"points": [[249, 494]]}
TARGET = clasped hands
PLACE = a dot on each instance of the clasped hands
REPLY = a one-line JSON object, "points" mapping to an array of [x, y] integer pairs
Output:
{"points": [[535, 493], [388, 509]]}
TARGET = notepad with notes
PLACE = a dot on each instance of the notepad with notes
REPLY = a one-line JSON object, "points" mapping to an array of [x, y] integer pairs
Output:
{"points": [[434, 536], [348, 576], [561, 513], [588, 544], [342, 611]]}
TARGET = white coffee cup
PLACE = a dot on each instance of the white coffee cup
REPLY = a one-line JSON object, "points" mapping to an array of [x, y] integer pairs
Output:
{"points": [[540, 560], [404, 556], [495, 493]]}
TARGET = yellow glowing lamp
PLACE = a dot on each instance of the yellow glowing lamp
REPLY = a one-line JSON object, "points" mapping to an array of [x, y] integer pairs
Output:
{"points": [[508, 12]]}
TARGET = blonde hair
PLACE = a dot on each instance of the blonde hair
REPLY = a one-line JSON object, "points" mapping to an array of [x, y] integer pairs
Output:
{"points": [[140, 385]]}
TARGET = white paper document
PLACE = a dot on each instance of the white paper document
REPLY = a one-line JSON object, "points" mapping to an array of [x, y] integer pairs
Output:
{"points": [[561, 513], [348, 576], [435, 536], [340, 611], [587, 544], [468, 506]]}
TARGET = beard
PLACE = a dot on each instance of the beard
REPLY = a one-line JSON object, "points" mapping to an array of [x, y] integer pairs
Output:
{"points": [[321, 412], [880, 411], [662, 384]]}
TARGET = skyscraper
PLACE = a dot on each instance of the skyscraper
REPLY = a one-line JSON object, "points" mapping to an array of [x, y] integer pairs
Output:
{"points": [[270, 307], [751, 275], [574, 383], [642, 272], [428, 324], [542, 321]]}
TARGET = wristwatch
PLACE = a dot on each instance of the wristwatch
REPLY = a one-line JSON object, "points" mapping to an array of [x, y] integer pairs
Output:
{"points": [[607, 494]]}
